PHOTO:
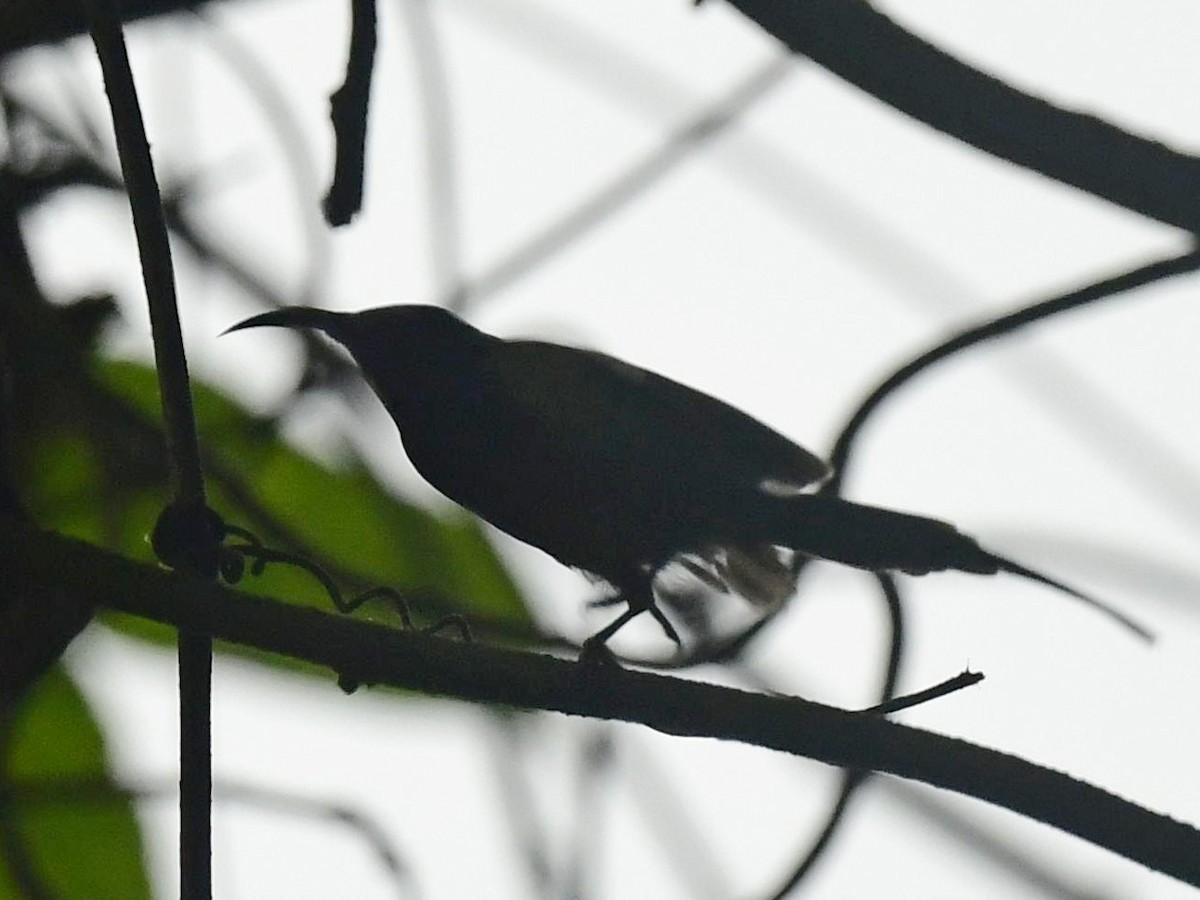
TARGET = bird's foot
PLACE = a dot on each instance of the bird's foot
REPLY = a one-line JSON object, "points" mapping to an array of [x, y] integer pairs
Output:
{"points": [[597, 653], [640, 600]]}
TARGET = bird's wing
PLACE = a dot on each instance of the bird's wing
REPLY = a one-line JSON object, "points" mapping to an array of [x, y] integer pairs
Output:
{"points": [[605, 402]]}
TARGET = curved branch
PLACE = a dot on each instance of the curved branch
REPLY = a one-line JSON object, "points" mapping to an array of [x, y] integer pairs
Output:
{"points": [[994, 328]]}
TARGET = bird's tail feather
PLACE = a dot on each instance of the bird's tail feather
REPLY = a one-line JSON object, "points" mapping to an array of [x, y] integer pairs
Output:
{"points": [[872, 538], [1008, 565], [877, 539]]}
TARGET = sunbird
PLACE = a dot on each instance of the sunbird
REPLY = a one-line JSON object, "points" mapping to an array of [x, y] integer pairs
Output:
{"points": [[619, 472]]}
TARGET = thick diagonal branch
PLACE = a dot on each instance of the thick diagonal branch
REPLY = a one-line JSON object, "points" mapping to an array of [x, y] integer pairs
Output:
{"points": [[372, 654]]}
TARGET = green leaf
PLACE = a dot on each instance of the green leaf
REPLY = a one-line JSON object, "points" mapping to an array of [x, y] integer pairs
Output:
{"points": [[68, 830], [97, 470]]}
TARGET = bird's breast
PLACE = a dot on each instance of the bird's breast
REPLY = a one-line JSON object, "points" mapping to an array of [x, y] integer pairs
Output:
{"points": [[540, 484]]}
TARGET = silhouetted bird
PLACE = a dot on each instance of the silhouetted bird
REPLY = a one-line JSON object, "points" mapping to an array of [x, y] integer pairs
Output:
{"points": [[618, 471]]}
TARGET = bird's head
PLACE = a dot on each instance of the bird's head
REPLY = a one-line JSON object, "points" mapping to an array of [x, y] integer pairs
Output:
{"points": [[397, 347], [379, 336]]}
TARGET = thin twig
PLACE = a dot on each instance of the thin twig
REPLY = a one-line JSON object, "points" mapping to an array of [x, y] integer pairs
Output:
{"points": [[995, 328], [936, 812], [962, 680], [630, 185]]}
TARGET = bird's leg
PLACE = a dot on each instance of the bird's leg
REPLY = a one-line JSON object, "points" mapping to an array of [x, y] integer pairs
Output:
{"points": [[661, 618], [640, 599], [597, 643]]}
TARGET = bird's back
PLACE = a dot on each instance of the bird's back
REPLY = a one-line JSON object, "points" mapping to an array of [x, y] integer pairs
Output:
{"points": [[608, 466], [639, 419]]}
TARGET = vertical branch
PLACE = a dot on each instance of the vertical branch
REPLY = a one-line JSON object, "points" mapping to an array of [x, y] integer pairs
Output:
{"points": [[195, 649], [348, 113], [158, 273], [195, 765]]}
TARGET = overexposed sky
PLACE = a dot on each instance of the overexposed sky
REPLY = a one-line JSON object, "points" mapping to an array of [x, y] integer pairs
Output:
{"points": [[786, 265]]}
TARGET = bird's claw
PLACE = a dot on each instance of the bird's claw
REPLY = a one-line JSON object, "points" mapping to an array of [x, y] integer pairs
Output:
{"points": [[597, 653]]}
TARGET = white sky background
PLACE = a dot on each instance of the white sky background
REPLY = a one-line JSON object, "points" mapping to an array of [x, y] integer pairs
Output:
{"points": [[786, 267]]}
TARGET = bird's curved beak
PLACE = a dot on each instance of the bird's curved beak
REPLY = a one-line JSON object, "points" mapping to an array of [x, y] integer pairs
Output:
{"points": [[291, 317]]}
